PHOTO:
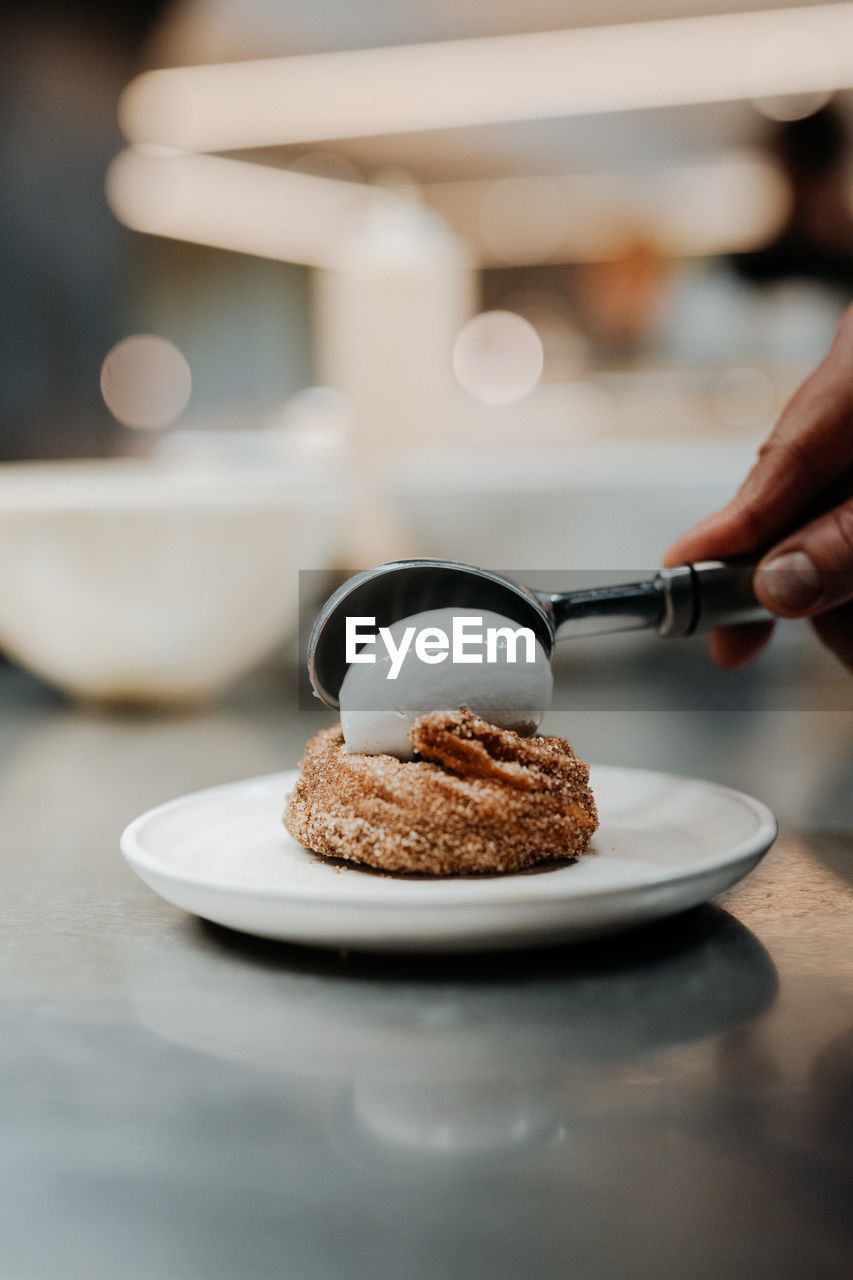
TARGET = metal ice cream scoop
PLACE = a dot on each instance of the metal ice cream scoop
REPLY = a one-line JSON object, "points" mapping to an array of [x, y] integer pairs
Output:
{"points": [[675, 602]]}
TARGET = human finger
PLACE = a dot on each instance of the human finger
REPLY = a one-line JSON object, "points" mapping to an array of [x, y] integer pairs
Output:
{"points": [[735, 647], [811, 572]]}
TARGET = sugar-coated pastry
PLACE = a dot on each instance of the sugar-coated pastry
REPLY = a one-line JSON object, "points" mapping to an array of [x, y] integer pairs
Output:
{"points": [[477, 799]]}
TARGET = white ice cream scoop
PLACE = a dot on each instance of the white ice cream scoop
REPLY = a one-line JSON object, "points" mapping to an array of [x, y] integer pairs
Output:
{"points": [[503, 676]]}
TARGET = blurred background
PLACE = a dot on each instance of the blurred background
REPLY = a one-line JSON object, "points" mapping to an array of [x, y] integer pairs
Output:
{"points": [[524, 289]]}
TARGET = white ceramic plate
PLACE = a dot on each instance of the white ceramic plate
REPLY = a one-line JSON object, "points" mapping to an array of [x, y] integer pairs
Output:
{"points": [[665, 843]]}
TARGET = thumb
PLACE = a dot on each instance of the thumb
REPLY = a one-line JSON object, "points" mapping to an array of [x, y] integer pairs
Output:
{"points": [[811, 571]]}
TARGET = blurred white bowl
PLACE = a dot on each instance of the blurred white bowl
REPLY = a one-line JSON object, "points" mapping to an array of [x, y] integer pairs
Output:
{"points": [[614, 506], [134, 581]]}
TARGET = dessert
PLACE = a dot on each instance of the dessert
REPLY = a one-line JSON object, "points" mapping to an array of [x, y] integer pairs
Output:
{"points": [[478, 798]]}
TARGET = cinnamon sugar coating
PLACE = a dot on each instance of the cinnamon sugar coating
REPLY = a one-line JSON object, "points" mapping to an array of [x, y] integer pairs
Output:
{"points": [[480, 799]]}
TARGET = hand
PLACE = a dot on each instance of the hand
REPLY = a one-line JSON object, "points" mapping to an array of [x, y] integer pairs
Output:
{"points": [[797, 501]]}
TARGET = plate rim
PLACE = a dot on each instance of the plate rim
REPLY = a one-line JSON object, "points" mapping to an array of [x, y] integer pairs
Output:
{"points": [[752, 847]]}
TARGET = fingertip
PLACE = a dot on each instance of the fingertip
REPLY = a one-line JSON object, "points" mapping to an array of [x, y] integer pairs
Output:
{"points": [[690, 546], [720, 534], [672, 556], [685, 547], [787, 582], [733, 648]]}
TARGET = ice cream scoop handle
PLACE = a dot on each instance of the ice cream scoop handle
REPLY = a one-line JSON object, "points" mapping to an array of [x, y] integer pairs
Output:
{"points": [[711, 593], [676, 602]]}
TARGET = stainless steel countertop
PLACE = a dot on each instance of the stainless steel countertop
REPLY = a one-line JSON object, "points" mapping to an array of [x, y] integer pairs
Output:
{"points": [[179, 1101]]}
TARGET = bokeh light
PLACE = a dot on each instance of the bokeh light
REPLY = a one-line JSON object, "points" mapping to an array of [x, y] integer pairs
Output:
{"points": [[498, 357], [745, 397], [145, 382], [783, 59]]}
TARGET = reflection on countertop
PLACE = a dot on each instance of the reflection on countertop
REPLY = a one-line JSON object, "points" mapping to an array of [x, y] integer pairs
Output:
{"points": [[184, 1101]]}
